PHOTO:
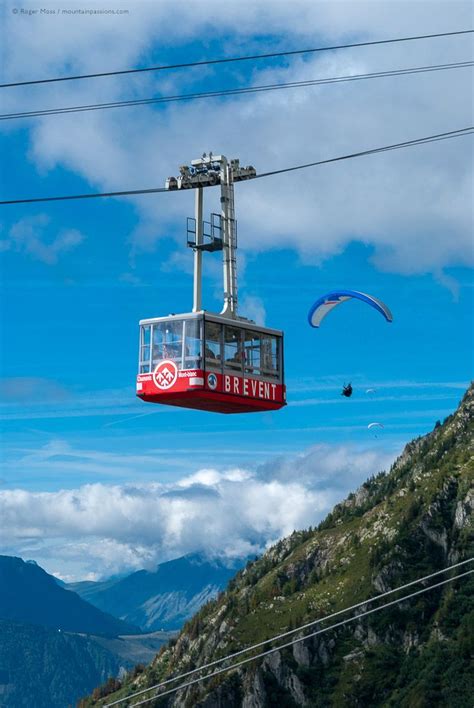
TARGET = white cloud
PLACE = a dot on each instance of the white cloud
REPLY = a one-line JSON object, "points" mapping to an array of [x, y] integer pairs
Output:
{"points": [[110, 528], [48, 399], [22, 389], [379, 399], [58, 457], [27, 236], [254, 308], [332, 383], [413, 207]]}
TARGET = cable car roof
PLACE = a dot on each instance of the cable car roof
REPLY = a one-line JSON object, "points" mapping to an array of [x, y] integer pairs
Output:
{"points": [[214, 317]]}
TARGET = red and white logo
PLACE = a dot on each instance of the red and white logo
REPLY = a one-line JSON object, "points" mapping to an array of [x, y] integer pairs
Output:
{"points": [[165, 374], [212, 381]]}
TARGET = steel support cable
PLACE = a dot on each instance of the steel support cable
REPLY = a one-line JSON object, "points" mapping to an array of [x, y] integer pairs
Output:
{"points": [[297, 629], [385, 148], [298, 639], [125, 193], [228, 60], [236, 91]]}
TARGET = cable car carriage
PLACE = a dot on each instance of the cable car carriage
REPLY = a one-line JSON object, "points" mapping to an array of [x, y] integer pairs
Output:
{"points": [[215, 362]]}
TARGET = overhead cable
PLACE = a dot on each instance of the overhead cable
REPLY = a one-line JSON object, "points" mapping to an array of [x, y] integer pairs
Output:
{"points": [[226, 60], [124, 193], [235, 91], [396, 146], [297, 640], [297, 629]]}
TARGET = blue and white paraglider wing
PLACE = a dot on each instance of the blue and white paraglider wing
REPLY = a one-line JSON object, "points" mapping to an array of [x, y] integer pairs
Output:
{"points": [[327, 302], [374, 425]]}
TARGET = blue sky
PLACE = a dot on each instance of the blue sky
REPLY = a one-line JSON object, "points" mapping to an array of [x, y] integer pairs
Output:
{"points": [[77, 276]]}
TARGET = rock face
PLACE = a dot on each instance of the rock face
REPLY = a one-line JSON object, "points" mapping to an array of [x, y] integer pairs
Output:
{"points": [[397, 527]]}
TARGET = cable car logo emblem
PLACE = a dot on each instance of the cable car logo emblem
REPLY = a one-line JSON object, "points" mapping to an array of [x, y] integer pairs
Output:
{"points": [[212, 381], [165, 374]]}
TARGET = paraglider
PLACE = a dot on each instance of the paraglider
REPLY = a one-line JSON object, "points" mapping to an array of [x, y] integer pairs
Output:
{"points": [[327, 302], [371, 426], [347, 390]]}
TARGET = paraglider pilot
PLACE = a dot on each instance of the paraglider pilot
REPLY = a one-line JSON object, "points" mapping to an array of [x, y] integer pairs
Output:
{"points": [[347, 390]]}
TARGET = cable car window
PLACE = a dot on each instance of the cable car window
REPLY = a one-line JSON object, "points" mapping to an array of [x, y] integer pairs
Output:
{"points": [[168, 342], [234, 353], [158, 343], [193, 344], [252, 344], [270, 356], [145, 338], [213, 346]]}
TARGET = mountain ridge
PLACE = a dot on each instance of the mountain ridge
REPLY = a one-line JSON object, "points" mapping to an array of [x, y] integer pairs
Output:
{"points": [[30, 595], [164, 598], [398, 526]]}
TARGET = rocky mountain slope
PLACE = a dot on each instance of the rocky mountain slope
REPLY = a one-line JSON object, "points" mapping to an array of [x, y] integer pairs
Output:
{"points": [[398, 526], [28, 594], [163, 599]]}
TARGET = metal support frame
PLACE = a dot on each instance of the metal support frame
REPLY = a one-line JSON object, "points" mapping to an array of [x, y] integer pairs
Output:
{"points": [[228, 235], [197, 290], [229, 241]]}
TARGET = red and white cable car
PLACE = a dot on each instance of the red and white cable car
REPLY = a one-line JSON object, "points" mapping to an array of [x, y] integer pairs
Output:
{"points": [[215, 362]]}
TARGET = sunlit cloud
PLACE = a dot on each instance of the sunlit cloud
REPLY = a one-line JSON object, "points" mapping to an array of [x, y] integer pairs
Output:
{"points": [[231, 512]]}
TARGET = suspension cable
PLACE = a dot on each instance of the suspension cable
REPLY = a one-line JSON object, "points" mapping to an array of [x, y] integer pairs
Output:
{"points": [[396, 146], [297, 629], [386, 148], [227, 60], [235, 91], [301, 639]]}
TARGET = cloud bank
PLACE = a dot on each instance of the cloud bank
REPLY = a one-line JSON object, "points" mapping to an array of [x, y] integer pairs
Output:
{"points": [[27, 236], [101, 529]]}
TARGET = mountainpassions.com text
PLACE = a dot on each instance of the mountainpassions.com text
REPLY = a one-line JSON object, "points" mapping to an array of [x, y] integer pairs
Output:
{"points": [[67, 11]]}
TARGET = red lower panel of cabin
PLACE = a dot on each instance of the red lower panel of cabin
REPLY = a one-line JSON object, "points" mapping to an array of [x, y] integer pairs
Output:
{"points": [[220, 393]]}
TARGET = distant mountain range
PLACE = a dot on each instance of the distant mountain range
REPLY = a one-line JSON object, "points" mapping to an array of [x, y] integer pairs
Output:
{"points": [[30, 595], [164, 598]]}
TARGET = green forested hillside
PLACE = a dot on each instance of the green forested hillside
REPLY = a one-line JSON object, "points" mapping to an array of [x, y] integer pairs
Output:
{"points": [[47, 668], [398, 526]]}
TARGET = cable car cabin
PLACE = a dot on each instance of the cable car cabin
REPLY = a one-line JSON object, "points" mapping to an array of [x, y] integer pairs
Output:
{"points": [[212, 363], [221, 363]]}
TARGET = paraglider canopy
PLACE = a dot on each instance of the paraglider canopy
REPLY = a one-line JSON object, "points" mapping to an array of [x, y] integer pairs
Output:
{"points": [[327, 302], [374, 425]]}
